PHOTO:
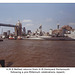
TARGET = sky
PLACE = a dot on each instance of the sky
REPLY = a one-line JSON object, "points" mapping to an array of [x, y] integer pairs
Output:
{"points": [[32, 15]]}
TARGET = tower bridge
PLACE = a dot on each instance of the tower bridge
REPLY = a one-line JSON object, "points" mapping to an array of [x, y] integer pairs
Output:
{"points": [[8, 25], [17, 27]]}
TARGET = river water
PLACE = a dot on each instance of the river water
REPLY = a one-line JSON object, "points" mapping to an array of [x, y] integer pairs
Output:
{"points": [[36, 53]]}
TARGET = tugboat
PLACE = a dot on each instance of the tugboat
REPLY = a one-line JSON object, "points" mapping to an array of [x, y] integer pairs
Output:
{"points": [[19, 38], [11, 38]]}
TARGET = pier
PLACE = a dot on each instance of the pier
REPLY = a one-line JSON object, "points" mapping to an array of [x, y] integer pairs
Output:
{"points": [[1, 39], [2, 63]]}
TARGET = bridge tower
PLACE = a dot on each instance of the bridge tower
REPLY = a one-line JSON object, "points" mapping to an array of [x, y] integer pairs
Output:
{"points": [[18, 30]]}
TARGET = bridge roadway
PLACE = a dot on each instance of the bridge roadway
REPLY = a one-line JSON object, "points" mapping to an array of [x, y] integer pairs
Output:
{"points": [[8, 25]]}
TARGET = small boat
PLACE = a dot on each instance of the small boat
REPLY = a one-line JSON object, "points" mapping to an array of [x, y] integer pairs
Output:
{"points": [[11, 38], [19, 38], [3, 37]]}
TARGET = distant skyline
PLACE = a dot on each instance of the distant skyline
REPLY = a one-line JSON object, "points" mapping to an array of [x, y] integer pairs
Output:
{"points": [[32, 15]]}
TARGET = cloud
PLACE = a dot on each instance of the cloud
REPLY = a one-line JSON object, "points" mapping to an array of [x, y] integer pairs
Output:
{"points": [[71, 23], [26, 21], [49, 20], [29, 24]]}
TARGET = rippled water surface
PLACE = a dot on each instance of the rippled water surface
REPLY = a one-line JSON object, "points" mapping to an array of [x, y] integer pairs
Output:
{"points": [[36, 53]]}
